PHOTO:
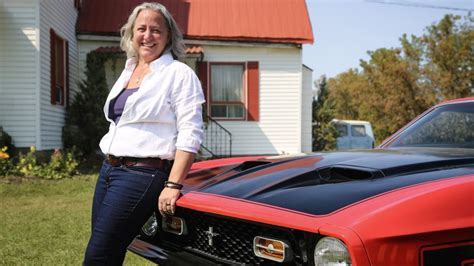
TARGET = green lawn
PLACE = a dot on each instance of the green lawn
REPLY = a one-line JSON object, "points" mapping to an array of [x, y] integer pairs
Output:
{"points": [[46, 222]]}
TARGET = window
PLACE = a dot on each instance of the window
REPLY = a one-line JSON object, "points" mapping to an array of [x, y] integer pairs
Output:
{"points": [[358, 131], [231, 89], [227, 91], [59, 69], [447, 128], [341, 130]]}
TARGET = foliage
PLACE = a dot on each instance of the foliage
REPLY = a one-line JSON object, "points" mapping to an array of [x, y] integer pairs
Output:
{"points": [[450, 56], [48, 223], [396, 94], [28, 164], [346, 92], [61, 165], [6, 141], [324, 132], [397, 84], [85, 122], [6, 164]]}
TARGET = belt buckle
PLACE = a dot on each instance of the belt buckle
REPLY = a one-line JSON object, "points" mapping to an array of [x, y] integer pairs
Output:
{"points": [[128, 162], [114, 161]]}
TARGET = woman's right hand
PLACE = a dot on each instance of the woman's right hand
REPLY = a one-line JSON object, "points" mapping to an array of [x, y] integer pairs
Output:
{"points": [[167, 201]]}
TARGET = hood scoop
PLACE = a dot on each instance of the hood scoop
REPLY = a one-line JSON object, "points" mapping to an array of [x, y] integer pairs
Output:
{"points": [[344, 173], [249, 165]]}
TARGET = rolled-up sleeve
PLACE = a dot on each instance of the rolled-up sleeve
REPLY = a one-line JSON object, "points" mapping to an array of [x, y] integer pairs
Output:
{"points": [[186, 101]]}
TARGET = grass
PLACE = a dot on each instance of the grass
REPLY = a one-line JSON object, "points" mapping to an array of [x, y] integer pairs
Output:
{"points": [[45, 222]]}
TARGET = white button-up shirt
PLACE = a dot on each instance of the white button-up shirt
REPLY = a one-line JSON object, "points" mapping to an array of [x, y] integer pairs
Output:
{"points": [[165, 114]]}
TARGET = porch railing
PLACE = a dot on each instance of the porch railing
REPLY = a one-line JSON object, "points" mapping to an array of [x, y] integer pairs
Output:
{"points": [[217, 140]]}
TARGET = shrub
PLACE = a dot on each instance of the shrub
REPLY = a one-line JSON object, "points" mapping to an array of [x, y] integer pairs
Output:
{"points": [[61, 165], [85, 122]]}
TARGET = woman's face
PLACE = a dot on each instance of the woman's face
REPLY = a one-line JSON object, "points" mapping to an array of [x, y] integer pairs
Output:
{"points": [[150, 35]]}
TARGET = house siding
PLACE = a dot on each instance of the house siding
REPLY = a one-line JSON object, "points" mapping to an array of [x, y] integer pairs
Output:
{"points": [[279, 129], [19, 46], [61, 16], [306, 110]]}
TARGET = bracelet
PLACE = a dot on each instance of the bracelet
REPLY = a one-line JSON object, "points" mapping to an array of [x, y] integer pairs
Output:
{"points": [[173, 185]]}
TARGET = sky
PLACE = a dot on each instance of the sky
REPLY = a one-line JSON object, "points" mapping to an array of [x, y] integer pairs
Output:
{"points": [[344, 30]]}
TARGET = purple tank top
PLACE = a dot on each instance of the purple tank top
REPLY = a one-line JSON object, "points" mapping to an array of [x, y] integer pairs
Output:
{"points": [[118, 103]]}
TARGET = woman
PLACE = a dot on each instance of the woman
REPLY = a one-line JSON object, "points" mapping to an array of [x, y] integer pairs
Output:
{"points": [[155, 117]]}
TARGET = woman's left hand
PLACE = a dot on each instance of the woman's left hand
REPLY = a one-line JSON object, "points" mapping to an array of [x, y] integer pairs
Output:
{"points": [[167, 201]]}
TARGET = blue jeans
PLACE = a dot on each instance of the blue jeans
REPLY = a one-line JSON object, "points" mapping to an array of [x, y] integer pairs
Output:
{"points": [[124, 198]]}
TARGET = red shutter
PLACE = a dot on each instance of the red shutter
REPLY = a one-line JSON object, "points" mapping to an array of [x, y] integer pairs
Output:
{"points": [[202, 74], [66, 82], [253, 91], [52, 38], [202, 69]]}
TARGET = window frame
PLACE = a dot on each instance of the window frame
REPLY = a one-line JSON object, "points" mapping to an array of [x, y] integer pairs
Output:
{"points": [[244, 93], [63, 90]]}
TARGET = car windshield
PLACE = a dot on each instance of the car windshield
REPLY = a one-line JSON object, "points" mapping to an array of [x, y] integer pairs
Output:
{"points": [[450, 126]]}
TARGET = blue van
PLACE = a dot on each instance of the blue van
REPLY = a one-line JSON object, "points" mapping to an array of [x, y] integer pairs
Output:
{"points": [[354, 134]]}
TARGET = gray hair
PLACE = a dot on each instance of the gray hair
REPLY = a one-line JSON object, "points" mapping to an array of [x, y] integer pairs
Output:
{"points": [[176, 44]]}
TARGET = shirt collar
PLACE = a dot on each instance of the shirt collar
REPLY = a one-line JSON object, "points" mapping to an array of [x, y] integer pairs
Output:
{"points": [[165, 59]]}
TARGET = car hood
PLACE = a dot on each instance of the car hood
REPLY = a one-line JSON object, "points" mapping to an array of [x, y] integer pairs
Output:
{"points": [[322, 183]]}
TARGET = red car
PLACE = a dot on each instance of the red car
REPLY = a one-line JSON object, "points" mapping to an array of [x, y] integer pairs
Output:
{"points": [[410, 201]]}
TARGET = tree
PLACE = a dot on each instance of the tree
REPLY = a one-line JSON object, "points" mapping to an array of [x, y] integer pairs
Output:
{"points": [[397, 84], [345, 92], [449, 51], [324, 132], [85, 122], [394, 94]]}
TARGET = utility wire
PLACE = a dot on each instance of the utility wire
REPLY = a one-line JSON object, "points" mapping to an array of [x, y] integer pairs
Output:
{"points": [[419, 5]]}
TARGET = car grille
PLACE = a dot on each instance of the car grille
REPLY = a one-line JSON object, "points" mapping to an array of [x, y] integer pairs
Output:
{"points": [[232, 241]]}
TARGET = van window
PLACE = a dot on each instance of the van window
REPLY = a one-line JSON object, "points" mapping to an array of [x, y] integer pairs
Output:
{"points": [[358, 131], [341, 130]]}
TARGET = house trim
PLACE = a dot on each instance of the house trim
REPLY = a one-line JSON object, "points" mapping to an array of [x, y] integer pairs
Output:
{"points": [[242, 44], [300, 111], [90, 37], [38, 77]]}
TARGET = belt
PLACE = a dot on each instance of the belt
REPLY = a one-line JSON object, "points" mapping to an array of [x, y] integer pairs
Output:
{"points": [[134, 161]]}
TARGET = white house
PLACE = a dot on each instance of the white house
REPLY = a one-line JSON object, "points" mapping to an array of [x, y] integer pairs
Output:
{"points": [[256, 44], [38, 69]]}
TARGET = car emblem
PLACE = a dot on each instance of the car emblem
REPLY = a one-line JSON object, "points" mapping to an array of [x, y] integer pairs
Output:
{"points": [[210, 235]]}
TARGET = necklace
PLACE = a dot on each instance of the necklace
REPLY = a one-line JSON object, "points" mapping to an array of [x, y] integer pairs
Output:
{"points": [[142, 70]]}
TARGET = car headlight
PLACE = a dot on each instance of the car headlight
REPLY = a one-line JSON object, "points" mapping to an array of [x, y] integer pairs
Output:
{"points": [[151, 226], [330, 251]]}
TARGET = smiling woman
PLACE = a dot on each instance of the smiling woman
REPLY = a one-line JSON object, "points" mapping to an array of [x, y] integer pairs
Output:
{"points": [[150, 35], [155, 116]]}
